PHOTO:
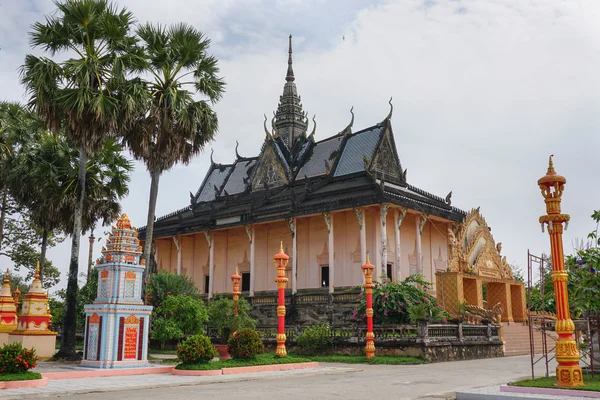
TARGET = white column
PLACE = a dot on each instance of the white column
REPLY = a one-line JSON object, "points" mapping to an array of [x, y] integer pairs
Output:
{"points": [[329, 222], [360, 216], [211, 263], [250, 232], [377, 244], [178, 247], [383, 209], [419, 252], [292, 225], [399, 217]]}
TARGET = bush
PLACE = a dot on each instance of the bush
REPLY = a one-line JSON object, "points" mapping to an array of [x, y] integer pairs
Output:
{"points": [[177, 317], [315, 338], [245, 344], [164, 284], [196, 349], [14, 359], [220, 316]]}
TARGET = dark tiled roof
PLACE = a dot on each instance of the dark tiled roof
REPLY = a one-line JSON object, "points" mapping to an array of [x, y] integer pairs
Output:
{"points": [[215, 179], [235, 183], [357, 147], [322, 152]]}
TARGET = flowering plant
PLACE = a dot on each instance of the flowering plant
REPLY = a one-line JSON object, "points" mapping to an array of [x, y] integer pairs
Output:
{"points": [[14, 359], [245, 344], [196, 349]]}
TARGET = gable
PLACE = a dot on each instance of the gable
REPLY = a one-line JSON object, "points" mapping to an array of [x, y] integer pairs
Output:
{"points": [[270, 171], [385, 158]]}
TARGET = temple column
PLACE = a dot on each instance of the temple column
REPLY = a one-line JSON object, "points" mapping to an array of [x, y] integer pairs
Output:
{"points": [[211, 263], [329, 222], [399, 214], [250, 232], [292, 225], [360, 216], [419, 252], [178, 247], [377, 245], [383, 210]]}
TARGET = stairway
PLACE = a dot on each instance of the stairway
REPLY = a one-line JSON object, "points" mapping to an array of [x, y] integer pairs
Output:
{"points": [[516, 339]]}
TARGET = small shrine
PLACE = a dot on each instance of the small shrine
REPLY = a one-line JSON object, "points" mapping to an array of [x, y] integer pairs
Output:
{"points": [[116, 328], [8, 311], [33, 328], [474, 260]]}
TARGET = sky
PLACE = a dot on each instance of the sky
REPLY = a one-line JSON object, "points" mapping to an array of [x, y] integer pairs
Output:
{"points": [[483, 92]]}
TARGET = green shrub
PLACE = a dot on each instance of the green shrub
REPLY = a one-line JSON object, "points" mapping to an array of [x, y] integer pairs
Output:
{"points": [[14, 359], [195, 350], [315, 338], [178, 316], [220, 316], [164, 284], [417, 312], [245, 344]]}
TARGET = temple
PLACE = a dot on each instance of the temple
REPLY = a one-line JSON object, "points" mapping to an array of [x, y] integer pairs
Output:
{"points": [[330, 201]]}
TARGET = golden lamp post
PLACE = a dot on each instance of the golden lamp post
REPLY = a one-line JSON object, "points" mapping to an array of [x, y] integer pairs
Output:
{"points": [[568, 371], [367, 270], [281, 260], [235, 280]]}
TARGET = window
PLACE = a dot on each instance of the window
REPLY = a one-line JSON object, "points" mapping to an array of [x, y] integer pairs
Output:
{"points": [[325, 276], [389, 272], [245, 281], [206, 280]]}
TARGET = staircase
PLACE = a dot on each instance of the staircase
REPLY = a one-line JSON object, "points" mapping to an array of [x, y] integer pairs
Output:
{"points": [[516, 339]]}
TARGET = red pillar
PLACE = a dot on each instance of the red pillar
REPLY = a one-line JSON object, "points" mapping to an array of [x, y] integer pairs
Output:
{"points": [[281, 260], [368, 272]]}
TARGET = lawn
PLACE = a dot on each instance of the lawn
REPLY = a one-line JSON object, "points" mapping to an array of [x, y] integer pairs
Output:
{"points": [[591, 384], [263, 359], [24, 376], [379, 360]]}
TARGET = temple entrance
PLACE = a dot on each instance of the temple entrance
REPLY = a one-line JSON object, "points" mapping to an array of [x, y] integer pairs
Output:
{"points": [[476, 267]]}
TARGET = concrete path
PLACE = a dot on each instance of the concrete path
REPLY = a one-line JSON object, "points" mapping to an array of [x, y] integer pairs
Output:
{"points": [[331, 381]]}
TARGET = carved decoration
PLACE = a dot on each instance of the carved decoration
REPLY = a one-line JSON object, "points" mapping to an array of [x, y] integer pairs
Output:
{"points": [[323, 258], [383, 209], [401, 216], [94, 319], [104, 274], [208, 238], [129, 275], [292, 226], [472, 249], [360, 214], [248, 229], [385, 161], [440, 263], [270, 171], [327, 218], [132, 320], [244, 265], [412, 261], [480, 313], [355, 256], [424, 219]]}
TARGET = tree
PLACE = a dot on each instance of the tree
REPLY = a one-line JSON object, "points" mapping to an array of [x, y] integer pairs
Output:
{"points": [[177, 317], [173, 127], [78, 95]]}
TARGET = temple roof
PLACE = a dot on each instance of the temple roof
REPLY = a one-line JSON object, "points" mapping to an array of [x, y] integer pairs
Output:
{"points": [[342, 171]]}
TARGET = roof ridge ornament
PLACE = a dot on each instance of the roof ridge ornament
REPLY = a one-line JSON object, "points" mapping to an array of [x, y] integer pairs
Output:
{"points": [[312, 134], [348, 129], [211, 156], [389, 116], [269, 136], [237, 155], [273, 127]]}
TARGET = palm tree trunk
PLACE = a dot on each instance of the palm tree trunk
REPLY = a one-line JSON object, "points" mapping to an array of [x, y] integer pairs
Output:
{"points": [[67, 342], [3, 214], [43, 253], [154, 178]]}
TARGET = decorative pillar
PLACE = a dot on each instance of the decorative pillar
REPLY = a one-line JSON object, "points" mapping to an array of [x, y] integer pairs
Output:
{"points": [[360, 216], [292, 225], [329, 222], [178, 247], [235, 281], [383, 209], [211, 263], [367, 270], [8, 310], [250, 233], [90, 255], [419, 252], [400, 214], [281, 260], [568, 371]]}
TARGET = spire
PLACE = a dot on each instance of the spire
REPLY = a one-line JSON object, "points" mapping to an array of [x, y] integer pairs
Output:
{"points": [[290, 72]]}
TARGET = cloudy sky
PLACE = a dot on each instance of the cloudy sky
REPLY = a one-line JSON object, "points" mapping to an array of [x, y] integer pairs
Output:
{"points": [[484, 92]]}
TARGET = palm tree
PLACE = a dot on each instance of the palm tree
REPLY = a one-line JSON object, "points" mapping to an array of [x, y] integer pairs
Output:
{"points": [[78, 95], [174, 126]]}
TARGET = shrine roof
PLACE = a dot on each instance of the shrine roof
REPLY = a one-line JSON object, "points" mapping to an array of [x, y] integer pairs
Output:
{"points": [[236, 182], [323, 154], [213, 182], [358, 147]]}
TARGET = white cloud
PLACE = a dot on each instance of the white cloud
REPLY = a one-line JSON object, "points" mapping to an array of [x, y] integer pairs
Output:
{"points": [[483, 92]]}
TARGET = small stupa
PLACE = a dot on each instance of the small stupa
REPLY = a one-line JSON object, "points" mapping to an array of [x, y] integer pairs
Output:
{"points": [[116, 327], [8, 311], [33, 329]]}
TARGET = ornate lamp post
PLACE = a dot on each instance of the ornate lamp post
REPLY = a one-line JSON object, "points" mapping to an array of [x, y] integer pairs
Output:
{"points": [[367, 270], [235, 280], [568, 371], [281, 260]]}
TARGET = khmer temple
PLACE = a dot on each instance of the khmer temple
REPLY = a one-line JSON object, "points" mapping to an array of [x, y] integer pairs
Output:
{"points": [[331, 200]]}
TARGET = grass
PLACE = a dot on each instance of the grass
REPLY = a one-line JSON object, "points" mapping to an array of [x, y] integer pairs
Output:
{"points": [[263, 359], [158, 351], [378, 360], [591, 384], [23, 376]]}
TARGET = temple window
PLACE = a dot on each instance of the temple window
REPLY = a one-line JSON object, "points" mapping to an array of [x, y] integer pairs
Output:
{"points": [[206, 280], [325, 276], [245, 281], [389, 271]]}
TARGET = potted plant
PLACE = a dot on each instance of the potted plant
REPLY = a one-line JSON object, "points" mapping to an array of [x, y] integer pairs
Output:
{"points": [[221, 318]]}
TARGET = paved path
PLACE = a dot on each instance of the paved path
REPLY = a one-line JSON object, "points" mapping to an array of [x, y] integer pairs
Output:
{"points": [[332, 381]]}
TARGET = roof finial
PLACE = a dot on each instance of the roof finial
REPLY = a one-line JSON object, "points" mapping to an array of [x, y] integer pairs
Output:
{"points": [[312, 134], [290, 72], [211, 156], [237, 155], [269, 137], [37, 270], [391, 109], [551, 166], [348, 129]]}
